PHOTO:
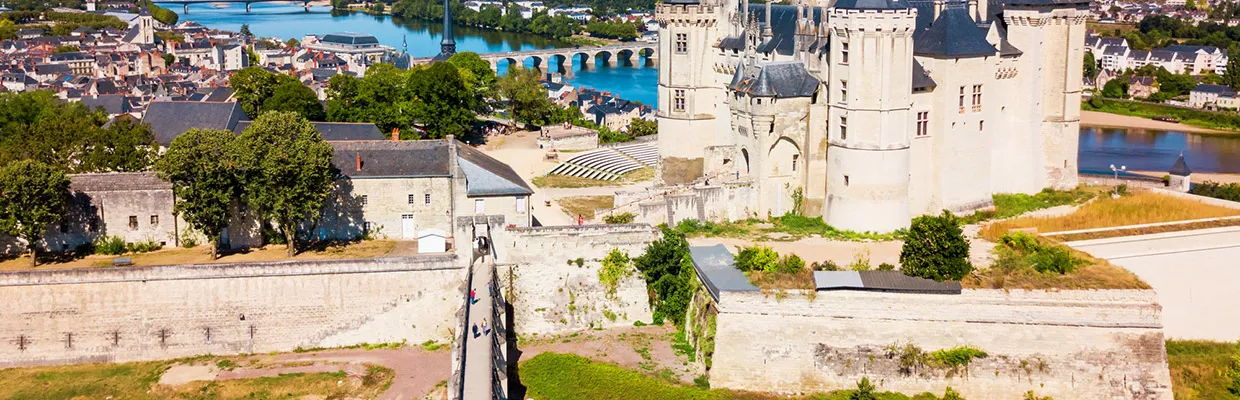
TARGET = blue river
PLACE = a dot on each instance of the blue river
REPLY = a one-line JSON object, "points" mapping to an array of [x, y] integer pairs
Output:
{"points": [[636, 82], [1099, 147]]}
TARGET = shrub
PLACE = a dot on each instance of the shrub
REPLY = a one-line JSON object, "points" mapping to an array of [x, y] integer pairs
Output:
{"points": [[1020, 241], [1228, 191], [144, 246], [791, 264], [621, 218], [579, 261], [1054, 259], [1031, 396], [757, 258], [951, 394], [110, 245], [1122, 189], [886, 267], [1233, 376], [615, 267], [827, 265], [861, 261], [935, 248], [188, 239], [1026, 250], [865, 390], [958, 356]]}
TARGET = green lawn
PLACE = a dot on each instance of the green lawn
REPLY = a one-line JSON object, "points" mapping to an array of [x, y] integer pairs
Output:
{"points": [[554, 376], [1202, 370]]}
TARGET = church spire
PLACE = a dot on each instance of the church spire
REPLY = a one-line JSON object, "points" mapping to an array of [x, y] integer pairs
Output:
{"points": [[448, 46]]}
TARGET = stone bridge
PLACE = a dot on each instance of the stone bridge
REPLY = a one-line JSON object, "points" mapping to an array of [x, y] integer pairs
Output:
{"points": [[625, 52], [186, 3]]}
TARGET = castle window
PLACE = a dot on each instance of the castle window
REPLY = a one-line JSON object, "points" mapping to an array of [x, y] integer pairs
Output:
{"points": [[923, 123], [980, 124], [962, 99], [678, 100], [682, 43], [977, 98], [844, 53], [844, 91], [154, 220], [794, 162], [426, 198], [843, 128], [365, 199], [411, 198], [133, 222], [845, 180]]}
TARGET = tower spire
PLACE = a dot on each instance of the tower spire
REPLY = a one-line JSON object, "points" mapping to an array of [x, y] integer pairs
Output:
{"points": [[448, 46]]}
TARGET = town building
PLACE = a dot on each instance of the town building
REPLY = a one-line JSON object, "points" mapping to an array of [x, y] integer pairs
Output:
{"points": [[869, 112], [358, 50]]}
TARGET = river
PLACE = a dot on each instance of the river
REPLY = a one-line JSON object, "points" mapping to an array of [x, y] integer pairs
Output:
{"points": [[636, 82], [1155, 150]]}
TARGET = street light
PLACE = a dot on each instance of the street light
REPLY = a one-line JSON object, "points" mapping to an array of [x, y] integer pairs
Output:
{"points": [[1117, 171]]}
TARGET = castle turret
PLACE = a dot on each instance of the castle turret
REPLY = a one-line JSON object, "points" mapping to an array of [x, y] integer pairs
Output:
{"points": [[690, 96], [870, 74]]}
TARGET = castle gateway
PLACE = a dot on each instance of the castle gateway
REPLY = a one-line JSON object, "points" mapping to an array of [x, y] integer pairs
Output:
{"points": [[869, 112]]}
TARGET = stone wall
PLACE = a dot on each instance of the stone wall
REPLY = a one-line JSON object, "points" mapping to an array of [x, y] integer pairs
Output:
{"points": [[147, 313], [720, 201], [1068, 344], [550, 293]]}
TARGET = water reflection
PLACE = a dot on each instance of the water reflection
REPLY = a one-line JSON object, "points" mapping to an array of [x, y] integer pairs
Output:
{"points": [[1155, 150]]}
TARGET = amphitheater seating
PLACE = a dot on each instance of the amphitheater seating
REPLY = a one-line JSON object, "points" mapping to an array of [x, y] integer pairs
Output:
{"points": [[611, 163]]}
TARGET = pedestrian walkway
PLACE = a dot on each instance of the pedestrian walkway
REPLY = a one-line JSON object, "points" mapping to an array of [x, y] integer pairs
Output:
{"points": [[483, 370]]}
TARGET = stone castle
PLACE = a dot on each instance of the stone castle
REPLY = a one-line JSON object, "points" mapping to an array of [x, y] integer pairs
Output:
{"points": [[869, 112]]}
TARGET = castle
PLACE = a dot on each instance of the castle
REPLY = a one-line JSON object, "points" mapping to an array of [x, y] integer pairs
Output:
{"points": [[870, 112]]}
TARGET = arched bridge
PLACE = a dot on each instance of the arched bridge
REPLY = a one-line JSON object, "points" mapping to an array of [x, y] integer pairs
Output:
{"points": [[186, 3], [624, 52]]}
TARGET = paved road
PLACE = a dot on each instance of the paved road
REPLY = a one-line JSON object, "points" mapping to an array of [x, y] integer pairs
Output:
{"points": [[1196, 275], [478, 347]]}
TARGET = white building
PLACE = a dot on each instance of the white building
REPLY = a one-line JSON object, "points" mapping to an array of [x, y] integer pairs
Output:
{"points": [[359, 50], [874, 111]]}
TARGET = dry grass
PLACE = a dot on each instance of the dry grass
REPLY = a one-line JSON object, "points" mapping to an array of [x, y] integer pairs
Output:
{"points": [[803, 280], [585, 205], [1138, 208], [1148, 230], [562, 181], [681, 170], [640, 174], [1011, 273], [200, 255]]}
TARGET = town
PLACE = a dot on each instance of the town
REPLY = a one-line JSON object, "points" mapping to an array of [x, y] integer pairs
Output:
{"points": [[417, 199]]}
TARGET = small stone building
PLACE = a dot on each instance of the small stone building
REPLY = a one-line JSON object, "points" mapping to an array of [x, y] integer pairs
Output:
{"points": [[1178, 178]]}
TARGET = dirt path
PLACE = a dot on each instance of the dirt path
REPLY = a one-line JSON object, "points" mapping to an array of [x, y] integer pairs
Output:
{"points": [[418, 372]]}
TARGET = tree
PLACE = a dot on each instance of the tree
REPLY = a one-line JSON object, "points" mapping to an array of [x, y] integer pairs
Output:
{"points": [[643, 127], [204, 180], [527, 99], [124, 146], [478, 77], [285, 170], [340, 4], [245, 30], [935, 248], [169, 59], [669, 275], [1091, 66], [66, 49], [443, 103], [1116, 88], [295, 97], [1231, 77], [342, 98], [33, 195], [291, 42]]}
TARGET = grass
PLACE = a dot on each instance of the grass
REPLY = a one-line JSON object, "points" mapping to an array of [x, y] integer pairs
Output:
{"points": [[791, 226], [640, 174], [564, 181], [1218, 120], [1148, 230], [554, 376], [139, 380], [1009, 205], [1200, 369], [1014, 271], [585, 205], [1134, 209], [200, 255], [803, 280]]}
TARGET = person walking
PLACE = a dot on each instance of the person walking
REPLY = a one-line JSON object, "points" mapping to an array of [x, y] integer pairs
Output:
{"points": [[475, 330], [484, 327], [473, 296]]}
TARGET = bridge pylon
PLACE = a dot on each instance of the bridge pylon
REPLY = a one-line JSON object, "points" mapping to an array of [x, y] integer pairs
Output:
{"points": [[247, 7]]}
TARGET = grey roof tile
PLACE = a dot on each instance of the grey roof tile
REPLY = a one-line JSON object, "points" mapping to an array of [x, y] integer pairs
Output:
{"points": [[921, 79], [1180, 168], [486, 176], [391, 159], [117, 181], [784, 79], [169, 119], [334, 131], [717, 269], [954, 34]]}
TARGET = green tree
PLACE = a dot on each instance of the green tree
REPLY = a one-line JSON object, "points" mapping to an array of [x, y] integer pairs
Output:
{"points": [[33, 195], [39, 126], [245, 30], [340, 4], [478, 77], [124, 146], [935, 248], [342, 98], [253, 86], [204, 179], [169, 59], [1116, 88], [757, 258], [865, 390], [526, 96], [669, 275], [385, 98], [295, 97], [66, 49], [443, 103], [292, 42], [1231, 77], [643, 127], [1091, 65], [285, 170]]}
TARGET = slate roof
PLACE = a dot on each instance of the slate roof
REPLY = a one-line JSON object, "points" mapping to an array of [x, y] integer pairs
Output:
{"points": [[392, 159], [785, 79], [921, 79], [954, 34], [221, 93], [717, 269], [881, 281], [783, 28], [334, 131], [169, 119], [1180, 168], [112, 103], [871, 4], [349, 38], [117, 181], [1046, 3], [1115, 51], [1208, 88], [486, 176]]}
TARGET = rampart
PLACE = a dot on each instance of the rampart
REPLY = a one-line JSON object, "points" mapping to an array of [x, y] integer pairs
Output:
{"points": [[551, 293], [1104, 344], [147, 313]]}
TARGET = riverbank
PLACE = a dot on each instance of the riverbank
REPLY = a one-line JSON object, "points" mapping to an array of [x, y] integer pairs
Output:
{"points": [[1107, 120], [1207, 122], [1197, 177]]}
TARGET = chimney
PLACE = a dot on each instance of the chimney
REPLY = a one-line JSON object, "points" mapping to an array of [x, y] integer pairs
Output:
{"points": [[938, 9], [395, 134], [359, 161], [973, 11]]}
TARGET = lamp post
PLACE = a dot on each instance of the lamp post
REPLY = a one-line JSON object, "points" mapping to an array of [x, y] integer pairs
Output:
{"points": [[1117, 171]]}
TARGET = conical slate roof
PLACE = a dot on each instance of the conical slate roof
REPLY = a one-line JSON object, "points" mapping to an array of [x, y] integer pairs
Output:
{"points": [[1180, 168]]}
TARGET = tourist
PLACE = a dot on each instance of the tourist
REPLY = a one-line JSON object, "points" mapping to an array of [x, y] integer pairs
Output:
{"points": [[475, 329], [485, 331], [473, 296]]}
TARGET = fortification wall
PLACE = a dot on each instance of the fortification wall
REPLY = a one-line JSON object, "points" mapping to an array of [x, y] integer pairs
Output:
{"points": [[1069, 345], [146, 313], [550, 293], [719, 202]]}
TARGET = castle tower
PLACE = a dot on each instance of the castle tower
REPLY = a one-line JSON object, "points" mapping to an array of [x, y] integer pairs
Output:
{"points": [[870, 76], [690, 94], [1052, 35]]}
